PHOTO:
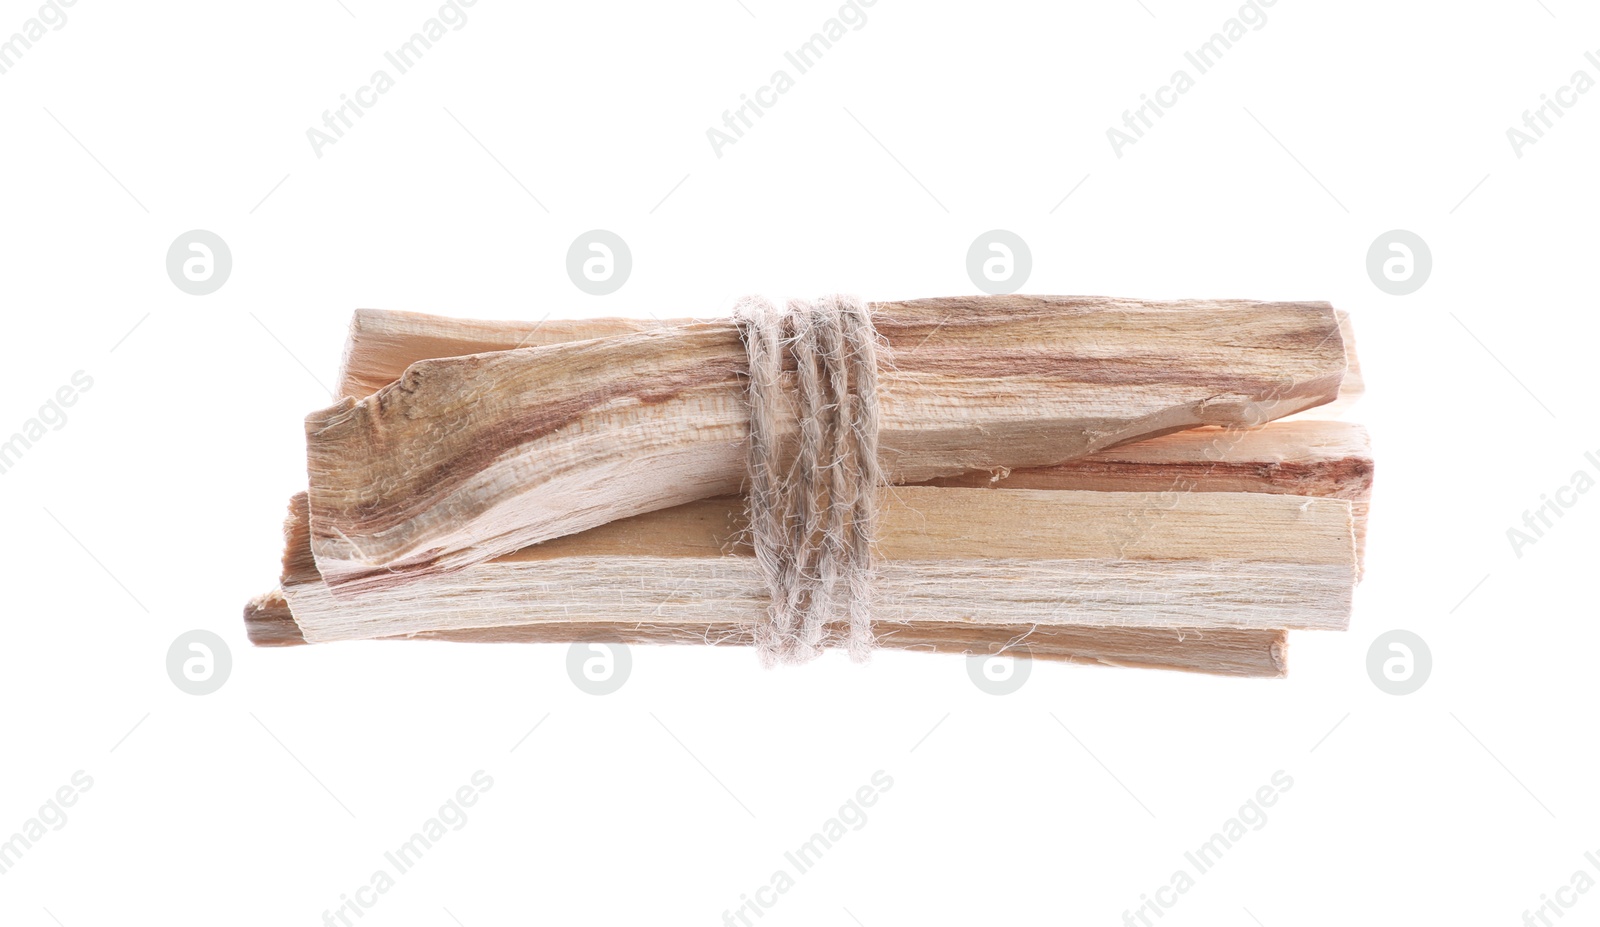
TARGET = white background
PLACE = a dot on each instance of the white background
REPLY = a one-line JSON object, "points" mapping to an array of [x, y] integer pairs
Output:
{"points": [[156, 508]]}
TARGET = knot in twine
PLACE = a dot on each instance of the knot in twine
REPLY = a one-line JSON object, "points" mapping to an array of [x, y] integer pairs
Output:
{"points": [[813, 515]]}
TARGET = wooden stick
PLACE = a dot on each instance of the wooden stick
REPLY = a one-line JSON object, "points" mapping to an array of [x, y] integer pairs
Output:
{"points": [[1303, 457], [949, 556], [383, 342], [270, 623], [468, 458]]}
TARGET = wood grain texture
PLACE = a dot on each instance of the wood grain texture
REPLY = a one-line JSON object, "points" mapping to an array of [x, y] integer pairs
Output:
{"points": [[382, 343], [468, 458], [1354, 385], [1296, 455], [948, 556], [1329, 459], [270, 623]]}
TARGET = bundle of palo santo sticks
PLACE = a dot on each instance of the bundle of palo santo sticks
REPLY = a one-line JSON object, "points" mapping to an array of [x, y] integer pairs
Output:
{"points": [[1094, 480]]}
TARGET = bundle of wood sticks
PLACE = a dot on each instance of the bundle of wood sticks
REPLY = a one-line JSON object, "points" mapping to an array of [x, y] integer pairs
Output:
{"points": [[1096, 480]]}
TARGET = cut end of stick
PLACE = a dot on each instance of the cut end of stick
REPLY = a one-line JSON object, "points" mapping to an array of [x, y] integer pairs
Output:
{"points": [[269, 622]]}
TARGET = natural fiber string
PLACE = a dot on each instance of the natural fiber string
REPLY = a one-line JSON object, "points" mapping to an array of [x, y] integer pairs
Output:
{"points": [[813, 523]]}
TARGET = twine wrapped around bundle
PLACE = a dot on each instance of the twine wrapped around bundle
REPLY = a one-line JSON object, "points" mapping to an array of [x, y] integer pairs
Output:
{"points": [[462, 485], [813, 523]]}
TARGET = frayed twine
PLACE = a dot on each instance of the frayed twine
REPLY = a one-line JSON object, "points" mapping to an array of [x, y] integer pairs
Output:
{"points": [[813, 523]]}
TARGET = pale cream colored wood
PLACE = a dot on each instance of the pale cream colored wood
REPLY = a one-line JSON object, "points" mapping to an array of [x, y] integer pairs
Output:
{"points": [[948, 556], [1295, 457], [383, 343], [270, 623], [1354, 385]]}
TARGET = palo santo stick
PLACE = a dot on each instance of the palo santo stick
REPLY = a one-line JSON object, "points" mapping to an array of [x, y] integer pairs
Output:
{"points": [[1012, 558], [1296, 455], [468, 458], [1301, 457], [270, 623], [384, 342]]}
